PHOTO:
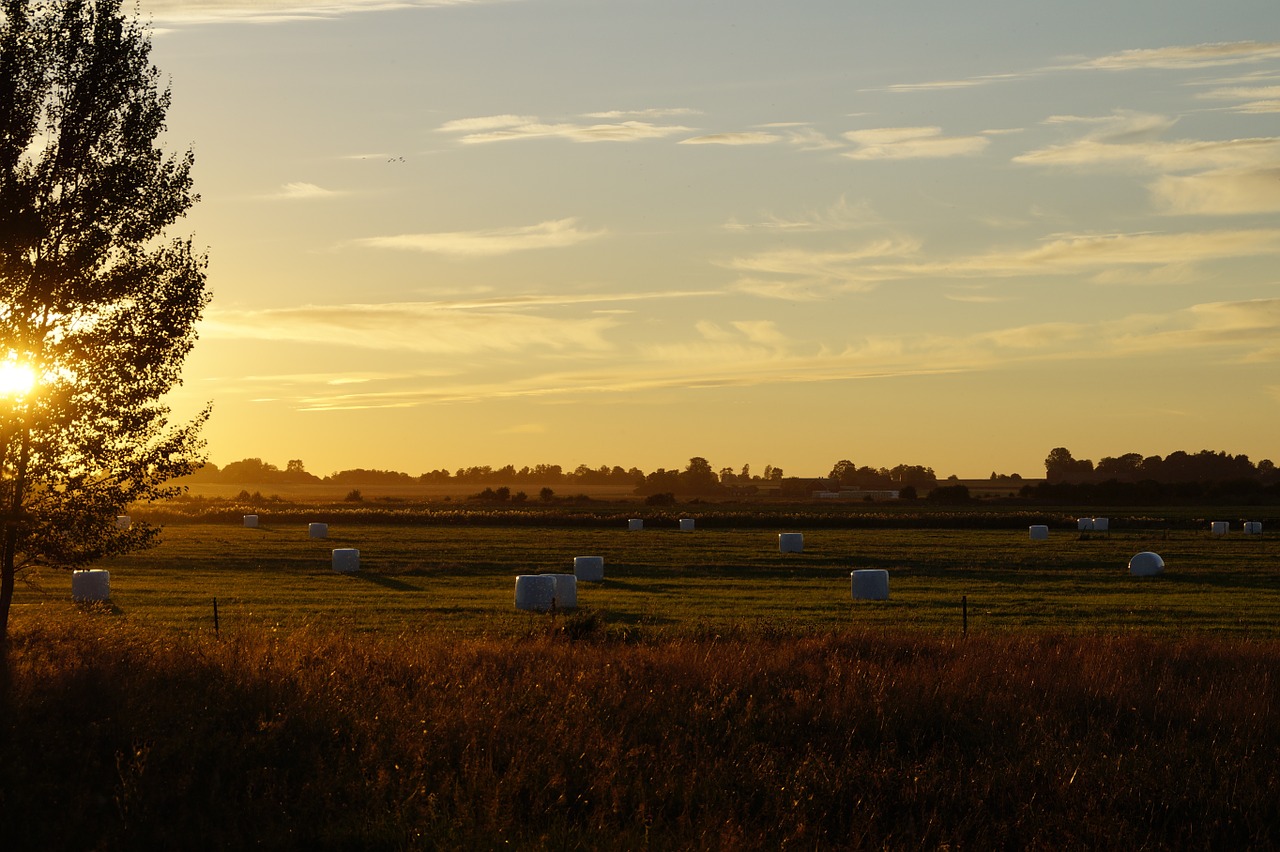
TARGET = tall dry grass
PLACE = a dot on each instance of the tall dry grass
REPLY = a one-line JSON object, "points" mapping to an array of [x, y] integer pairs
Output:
{"points": [[114, 737]]}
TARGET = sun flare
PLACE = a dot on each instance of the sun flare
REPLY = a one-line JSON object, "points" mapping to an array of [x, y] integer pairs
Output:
{"points": [[16, 380]]}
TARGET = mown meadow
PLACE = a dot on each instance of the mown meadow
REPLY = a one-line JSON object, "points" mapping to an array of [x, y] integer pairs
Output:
{"points": [[712, 693]]}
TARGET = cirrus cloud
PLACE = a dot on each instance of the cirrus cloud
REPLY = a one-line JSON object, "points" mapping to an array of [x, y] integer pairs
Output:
{"points": [[904, 143], [745, 137], [558, 233], [509, 128]]}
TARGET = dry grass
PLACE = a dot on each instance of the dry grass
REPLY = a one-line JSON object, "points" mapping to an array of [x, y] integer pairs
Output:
{"points": [[117, 736]]}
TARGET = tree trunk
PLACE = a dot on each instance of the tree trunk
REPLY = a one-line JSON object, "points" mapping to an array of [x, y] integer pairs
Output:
{"points": [[6, 580]]}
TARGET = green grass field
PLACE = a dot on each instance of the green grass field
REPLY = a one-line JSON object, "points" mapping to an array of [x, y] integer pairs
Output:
{"points": [[460, 580]]}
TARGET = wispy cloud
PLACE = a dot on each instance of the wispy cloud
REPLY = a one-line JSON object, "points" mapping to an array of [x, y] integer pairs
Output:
{"points": [[807, 138], [946, 85], [1221, 192], [422, 327], [1177, 57], [1175, 156], [176, 12], [745, 137], [1226, 177], [508, 128], [903, 143], [975, 295], [1146, 258], [841, 216], [799, 273], [1075, 254], [559, 233], [301, 191], [1256, 100], [1182, 56], [759, 353], [658, 112], [536, 300]]}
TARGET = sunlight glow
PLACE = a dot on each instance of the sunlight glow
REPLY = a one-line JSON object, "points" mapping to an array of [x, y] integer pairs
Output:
{"points": [[16, 380]]}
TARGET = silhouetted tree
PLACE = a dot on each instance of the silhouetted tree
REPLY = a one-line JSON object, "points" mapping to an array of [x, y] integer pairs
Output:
{"points": [[699, 477], [844, 472], [1061, 466], [94, 301]]}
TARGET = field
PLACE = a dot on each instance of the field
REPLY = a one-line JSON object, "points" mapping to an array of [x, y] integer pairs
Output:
{"points": [[711, 693], [459, 579]]}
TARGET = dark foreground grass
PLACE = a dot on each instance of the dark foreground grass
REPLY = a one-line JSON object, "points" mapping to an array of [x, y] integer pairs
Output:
{"points": [[116, 735]]}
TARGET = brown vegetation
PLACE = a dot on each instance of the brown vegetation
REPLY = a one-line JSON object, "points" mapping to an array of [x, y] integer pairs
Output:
{"points": [[114, 737]]}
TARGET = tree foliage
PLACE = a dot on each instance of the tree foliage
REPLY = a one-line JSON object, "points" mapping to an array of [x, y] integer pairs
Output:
{"points": [[95, 301]]}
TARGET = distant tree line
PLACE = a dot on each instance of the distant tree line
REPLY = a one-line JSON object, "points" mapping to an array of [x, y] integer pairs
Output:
{"points": [[1205, 466], [1134, 479], [1129, 478], [697, 478]]}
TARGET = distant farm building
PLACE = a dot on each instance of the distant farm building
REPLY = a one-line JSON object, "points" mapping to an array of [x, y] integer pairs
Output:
{"points": [[856, 494]]}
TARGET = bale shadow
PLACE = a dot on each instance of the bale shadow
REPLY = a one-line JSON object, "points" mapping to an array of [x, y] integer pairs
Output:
{"points": [[386, 582]]}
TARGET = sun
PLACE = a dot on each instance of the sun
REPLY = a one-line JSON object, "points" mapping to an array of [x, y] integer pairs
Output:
{"points": [[16, 380]]}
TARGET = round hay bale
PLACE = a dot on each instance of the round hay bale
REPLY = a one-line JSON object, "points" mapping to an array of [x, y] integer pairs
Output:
{"points": [[535, 591], [92, 585], [634, 524], [1039, 532], [566, 591], [1219, 527], [346, 560], [1253, 527], [251, 521], [1146, 564], [686, 525], [790, 542], [588, 569], [1084, 524], [1102, 524], [869, 584], [317, 530]]}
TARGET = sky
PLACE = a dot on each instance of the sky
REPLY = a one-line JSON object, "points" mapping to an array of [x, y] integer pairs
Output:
{"points": [[631, 232]]}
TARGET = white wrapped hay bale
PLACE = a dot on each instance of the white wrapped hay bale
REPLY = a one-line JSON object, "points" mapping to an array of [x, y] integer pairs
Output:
{"points": [[635, 524], [318, 530], [1219, 527], [1084, 524], [870, 584], [1039, 532], [123, 522], [589, 569], [346, 560], [686, 525], [790, 542], [535, 591], [1253, 527], [566, 591], [250, 520], [1102, 524], [1146, 564], [91, 585]]}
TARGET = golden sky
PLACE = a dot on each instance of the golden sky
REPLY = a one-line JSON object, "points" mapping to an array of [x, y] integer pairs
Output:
{"points": [[445, 234]]}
